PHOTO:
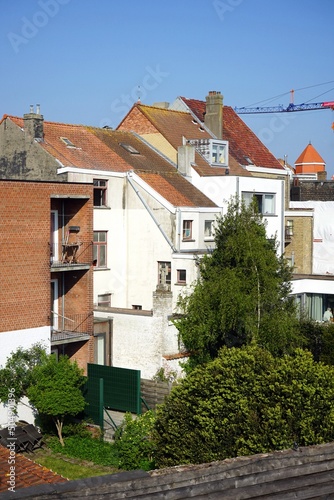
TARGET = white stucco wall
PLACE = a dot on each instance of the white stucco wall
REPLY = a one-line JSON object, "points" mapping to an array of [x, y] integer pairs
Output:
{"points": [[221, 189], [10, 342], [139, 342]]}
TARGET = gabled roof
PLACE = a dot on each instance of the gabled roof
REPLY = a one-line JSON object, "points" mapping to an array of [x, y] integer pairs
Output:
{"points": [[27, 472], [243, 143], [117, 151], [309, 155], [175, 126]]}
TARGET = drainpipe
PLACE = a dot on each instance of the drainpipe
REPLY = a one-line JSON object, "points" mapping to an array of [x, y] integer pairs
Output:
{"points": [[128, 176]]}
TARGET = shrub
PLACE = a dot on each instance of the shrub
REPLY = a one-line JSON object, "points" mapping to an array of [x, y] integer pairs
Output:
{"points": [[133, 442], [246, 402], [86, 448]]}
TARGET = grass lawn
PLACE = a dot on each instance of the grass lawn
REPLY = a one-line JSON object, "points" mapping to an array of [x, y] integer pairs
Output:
{"points": [[71, 468]]}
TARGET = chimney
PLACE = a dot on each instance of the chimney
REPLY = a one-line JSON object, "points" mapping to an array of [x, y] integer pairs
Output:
{"points": [[185, 157], [213, 118], [33, 123]]}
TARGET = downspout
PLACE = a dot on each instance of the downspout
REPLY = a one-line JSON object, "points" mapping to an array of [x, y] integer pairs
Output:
{"points": [[283, 225], [128, 176]]}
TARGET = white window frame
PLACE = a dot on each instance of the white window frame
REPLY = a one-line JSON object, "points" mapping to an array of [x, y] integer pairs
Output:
{"points": [[209, 229], [268, 201], [187, 230]]}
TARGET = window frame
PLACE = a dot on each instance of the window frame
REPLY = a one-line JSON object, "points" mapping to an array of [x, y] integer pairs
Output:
{"points": [[97, 245], [261, 201], [162, 264], [179, 280], [100, 191], [211, 231], [104, 303], [185, 223]]}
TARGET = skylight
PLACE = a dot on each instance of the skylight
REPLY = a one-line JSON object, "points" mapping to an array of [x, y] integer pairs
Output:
{"points": [[129, 148], [68, 143]]}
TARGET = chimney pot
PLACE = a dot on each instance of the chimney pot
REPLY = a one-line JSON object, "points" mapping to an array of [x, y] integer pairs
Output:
{"points": [[38, 109], [31, 108]]}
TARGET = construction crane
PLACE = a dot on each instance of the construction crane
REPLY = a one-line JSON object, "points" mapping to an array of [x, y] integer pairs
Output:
{"points": [[287, 109]]}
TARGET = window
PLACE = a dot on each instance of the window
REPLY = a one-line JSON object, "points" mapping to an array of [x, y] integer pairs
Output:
{"points": [[100, 248], [100, 193], [129, 148], [100, 349], [265, 202], [208, 229], [289, 229], [68, 143], [164, 273], [104, 300], [137, 307], [187, 229], [181, 276], [219, 154]]}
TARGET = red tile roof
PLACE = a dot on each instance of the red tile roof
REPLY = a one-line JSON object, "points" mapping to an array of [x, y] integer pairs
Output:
{"points": [[101, 149], [27, 472], [174, 126], [242, 141]]}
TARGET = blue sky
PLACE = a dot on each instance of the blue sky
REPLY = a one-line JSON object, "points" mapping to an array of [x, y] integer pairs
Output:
{"points": [[86, 61]]}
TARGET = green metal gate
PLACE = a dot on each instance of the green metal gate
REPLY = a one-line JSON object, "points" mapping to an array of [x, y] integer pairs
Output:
{"points": [[112, 388]]}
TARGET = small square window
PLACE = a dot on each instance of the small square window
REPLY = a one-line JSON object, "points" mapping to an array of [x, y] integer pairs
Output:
{"points": [[104, 300], [137, 307], [181, 276], [187, 229]]}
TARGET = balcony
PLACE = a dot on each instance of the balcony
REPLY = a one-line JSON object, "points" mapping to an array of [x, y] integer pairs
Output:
{"points": [[67, 256], [66, 329]]}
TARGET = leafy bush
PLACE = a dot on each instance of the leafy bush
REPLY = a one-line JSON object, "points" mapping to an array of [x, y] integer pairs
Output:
{"points": [[133, 442], [246, 402], [86, 448]]}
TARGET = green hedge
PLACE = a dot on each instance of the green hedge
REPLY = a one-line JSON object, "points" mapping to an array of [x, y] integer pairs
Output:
{"points": [[246, 402]]}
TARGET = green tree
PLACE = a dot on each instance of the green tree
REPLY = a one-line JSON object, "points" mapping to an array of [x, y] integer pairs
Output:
{"points": [[134, 443], [244, 402], [56, 390], [242, 293], [17, 372]]}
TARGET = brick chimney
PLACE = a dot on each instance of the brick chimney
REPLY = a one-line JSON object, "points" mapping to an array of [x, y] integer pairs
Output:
{"points": [[33, 123], [213, 117]]}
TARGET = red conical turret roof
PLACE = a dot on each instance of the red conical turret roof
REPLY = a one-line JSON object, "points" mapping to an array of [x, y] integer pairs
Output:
{"points": [[309, 161]]}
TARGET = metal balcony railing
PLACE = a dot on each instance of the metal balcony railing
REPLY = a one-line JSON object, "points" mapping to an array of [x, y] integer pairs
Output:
{"points": [[71, 254], [70, 328]]}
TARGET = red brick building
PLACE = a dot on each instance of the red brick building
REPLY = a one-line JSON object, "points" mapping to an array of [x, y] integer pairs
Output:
{"points": [[46, 288]]}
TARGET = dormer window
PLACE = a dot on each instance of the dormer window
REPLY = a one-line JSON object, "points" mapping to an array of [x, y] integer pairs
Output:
{"points": [[219, 153], [214, 151]]}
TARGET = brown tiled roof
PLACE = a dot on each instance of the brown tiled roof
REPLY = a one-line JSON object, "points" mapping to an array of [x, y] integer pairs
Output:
{"points": [[27, 472], [309, 155], [180, 191], [174, 126], [242, 141], [101, 149]]}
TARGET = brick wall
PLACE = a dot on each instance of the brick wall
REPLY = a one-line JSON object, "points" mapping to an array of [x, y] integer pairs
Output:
{"points": [[313, 190], [25, 296], [301, 244], [138, 122]]}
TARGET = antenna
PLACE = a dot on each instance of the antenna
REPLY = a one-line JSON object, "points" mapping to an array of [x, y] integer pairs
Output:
{"points": [[139, 93]]}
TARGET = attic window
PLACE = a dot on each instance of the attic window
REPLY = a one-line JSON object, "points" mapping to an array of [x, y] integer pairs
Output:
{"points": [[68, 143], [129, 148], [249, 161]]}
